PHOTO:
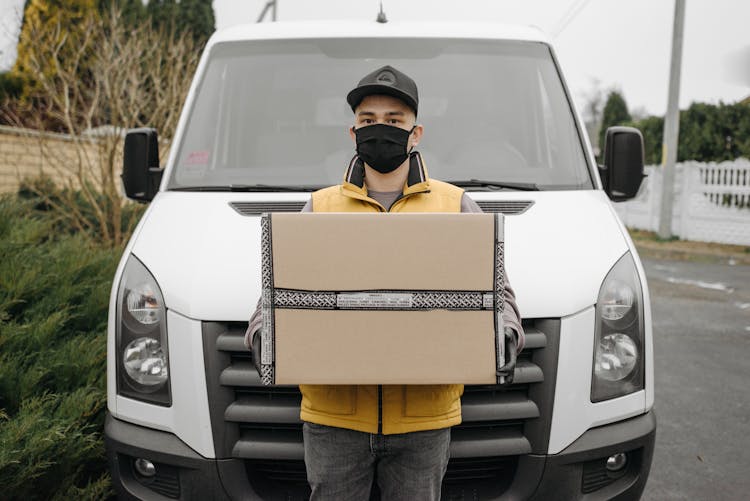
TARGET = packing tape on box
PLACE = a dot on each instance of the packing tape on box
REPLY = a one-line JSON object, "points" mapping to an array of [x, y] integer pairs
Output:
{"points": [[383, 300], [499, 294]]}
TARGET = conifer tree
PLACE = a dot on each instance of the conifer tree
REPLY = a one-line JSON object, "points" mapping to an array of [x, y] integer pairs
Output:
{"points": [[48, 16], [162, 13], [196, 16], [133, 12], [615, 113]]}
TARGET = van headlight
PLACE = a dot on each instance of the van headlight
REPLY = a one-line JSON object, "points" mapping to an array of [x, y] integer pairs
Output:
{"points": [[618, 345], [142, 351]]}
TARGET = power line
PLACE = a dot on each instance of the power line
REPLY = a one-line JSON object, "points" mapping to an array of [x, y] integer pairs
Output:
{"points": [[575, 8]]}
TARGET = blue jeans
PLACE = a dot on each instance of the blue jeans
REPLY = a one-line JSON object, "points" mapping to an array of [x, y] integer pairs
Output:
{"points": [[341, 464]]}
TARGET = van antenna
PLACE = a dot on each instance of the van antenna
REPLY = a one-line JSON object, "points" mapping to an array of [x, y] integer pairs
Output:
{"points": [[270, 5], [381, 15]]}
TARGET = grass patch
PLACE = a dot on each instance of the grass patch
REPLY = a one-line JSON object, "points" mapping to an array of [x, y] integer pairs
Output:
{"points": [[650, 245], [650, 236]]}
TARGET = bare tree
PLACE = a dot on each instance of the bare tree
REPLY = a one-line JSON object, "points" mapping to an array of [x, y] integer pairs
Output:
{"points": [[95, 80], [591, 111]]}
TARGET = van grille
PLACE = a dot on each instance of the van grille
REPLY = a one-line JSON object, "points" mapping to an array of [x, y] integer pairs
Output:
{"points": [[258, 208], [261, 424], [507, 207], [460, 480]]}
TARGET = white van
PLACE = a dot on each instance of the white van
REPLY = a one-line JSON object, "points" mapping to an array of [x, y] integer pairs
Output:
{"points": [[265, 124]]}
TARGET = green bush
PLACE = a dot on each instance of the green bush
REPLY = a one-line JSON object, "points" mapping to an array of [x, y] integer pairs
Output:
{"points": [[54, 294], [708, 133], [615, 113], [71, 213]]}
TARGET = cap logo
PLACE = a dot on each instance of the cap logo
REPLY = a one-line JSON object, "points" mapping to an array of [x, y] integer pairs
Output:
{"points": [[386, 77]]}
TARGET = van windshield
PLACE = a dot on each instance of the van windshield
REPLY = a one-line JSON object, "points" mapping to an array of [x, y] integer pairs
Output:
{"points": [[274, 114]]}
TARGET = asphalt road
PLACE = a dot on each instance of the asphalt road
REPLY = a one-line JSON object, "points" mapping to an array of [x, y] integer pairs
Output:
{"points": [[701, 318]]}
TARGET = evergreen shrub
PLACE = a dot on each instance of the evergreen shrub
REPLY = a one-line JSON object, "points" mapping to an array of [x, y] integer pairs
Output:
{"points": [[708, 133], [53, 201], [54, 295]]}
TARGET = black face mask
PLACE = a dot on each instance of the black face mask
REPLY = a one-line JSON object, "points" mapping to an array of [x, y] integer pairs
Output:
{"points": [[383, 147]]}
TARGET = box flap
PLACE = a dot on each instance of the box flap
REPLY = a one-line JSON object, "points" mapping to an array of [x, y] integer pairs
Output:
{"points": [[352, 252]]}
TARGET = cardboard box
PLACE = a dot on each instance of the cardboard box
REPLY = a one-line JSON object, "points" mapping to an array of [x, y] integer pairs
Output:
{"points": [[403, 298]]}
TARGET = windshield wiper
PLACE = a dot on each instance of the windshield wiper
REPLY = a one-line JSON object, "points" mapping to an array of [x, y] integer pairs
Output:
{"points": [[250, 188], [495, 185]]}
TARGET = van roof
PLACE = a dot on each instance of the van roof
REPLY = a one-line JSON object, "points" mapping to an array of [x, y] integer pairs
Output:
{"points": [[372, 29]]}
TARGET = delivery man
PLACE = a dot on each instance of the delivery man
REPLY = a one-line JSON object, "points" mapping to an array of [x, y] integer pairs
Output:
{"points": [[397, 435]]}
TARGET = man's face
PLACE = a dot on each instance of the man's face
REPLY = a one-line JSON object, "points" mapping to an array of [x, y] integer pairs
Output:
{"points": [[382, 109]]}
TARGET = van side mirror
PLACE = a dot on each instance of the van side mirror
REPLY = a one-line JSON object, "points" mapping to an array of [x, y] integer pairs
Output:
{"points": [[622, 171], [141, 174]]}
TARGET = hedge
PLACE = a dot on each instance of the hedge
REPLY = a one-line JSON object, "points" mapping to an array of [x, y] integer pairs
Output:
{"points": [[54, 294], [708, 133]]}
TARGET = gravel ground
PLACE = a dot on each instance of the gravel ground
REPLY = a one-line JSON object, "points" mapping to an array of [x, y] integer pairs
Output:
{"points": [[701, 319]]}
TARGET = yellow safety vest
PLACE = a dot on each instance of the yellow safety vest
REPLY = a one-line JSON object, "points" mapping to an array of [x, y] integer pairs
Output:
{"points": [[401, 408]]}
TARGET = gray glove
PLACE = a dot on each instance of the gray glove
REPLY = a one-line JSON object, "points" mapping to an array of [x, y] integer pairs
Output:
{"points": [[256, 351], [511, 343]]}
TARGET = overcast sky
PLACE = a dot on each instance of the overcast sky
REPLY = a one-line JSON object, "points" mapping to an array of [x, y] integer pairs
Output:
{"points": [[623, 44]]}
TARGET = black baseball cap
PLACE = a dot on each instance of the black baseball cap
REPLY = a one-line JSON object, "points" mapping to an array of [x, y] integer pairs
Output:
{"points": [[386, 80]]}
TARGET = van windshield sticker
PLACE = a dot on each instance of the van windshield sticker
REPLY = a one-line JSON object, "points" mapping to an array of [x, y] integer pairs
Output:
{"points": [[198, 157]]}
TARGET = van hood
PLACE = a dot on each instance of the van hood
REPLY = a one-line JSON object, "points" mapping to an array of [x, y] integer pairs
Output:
{"points": [[205, 256]]}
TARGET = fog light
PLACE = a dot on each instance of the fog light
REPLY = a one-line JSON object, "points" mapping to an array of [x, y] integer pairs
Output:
{"points": [[617, 462], [146, 468]]}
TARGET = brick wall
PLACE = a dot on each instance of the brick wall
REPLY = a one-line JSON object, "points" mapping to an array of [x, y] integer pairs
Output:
{"points": [[27, 153]]}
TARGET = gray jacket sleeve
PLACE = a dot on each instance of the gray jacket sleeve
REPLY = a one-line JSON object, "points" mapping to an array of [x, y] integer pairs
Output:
{"points": [[253, 326], [511, 315]]}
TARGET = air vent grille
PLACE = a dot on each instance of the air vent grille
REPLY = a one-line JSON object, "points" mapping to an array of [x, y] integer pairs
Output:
{"points": [[258, 208], [507, 207]]}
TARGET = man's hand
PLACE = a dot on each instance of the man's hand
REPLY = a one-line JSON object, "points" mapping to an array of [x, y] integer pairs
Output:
{"points": [[511, 343]]}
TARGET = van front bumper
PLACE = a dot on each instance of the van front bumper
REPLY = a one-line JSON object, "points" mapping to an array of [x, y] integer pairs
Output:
{"points": [[578, 472]]}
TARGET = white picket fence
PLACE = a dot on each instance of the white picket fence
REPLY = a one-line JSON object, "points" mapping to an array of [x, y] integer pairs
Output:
{"points": [[711, 202]]}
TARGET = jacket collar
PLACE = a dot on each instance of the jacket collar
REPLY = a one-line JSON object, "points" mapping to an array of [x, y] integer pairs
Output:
{"points": [[417, 180]]}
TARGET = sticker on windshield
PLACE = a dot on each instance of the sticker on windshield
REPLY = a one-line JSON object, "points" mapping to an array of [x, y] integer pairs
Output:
{"points": [[198, 157]]}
